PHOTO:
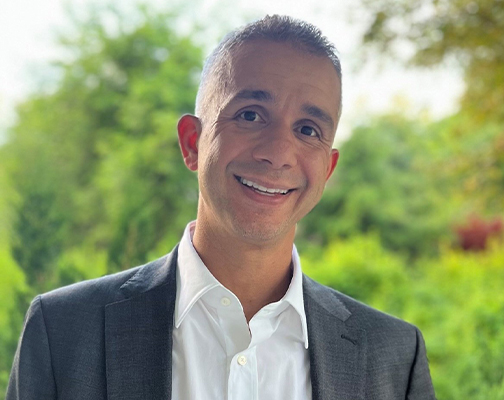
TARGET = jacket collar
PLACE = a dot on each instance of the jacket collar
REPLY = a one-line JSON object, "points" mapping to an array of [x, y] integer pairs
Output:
{"points": [[139, 328], [337, 350]]}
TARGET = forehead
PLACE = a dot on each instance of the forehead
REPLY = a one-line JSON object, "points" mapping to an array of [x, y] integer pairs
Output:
{"points": [[259, 49], [283, 71]]}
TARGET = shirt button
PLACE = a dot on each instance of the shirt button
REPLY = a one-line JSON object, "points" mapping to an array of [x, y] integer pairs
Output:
{"points": [[242, 360], [225, 301]]}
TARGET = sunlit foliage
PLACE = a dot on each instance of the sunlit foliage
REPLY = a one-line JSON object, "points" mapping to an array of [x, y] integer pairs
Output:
{"points": [[469, 35], [96, 161], [457, 301], [383, 184], [91, 181]]}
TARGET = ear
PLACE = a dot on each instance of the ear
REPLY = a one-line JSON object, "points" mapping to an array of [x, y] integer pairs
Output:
{"points": [[332, 163], [189, 130]]}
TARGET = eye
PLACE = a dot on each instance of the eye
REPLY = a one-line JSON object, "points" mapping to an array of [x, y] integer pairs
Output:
{"points": [[308, 131], [250, 116]]}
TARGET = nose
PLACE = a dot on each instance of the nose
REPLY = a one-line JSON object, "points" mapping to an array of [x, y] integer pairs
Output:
{"points": [[277, 147]]}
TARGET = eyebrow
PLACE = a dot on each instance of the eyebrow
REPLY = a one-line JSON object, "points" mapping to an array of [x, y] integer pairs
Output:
{"points": [[265, 96], [316, 112], [258, 95]]}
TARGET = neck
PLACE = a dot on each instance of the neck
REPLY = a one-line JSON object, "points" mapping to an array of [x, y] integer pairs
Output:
{"points": [[258, 274]]}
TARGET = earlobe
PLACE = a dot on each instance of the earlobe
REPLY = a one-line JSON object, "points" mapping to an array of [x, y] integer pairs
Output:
{"points": [[332, 162], [189, 129]]}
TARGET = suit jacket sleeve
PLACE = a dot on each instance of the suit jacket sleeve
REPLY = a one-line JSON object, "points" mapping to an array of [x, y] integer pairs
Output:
{"points": [[420, 384], [32, 375]]}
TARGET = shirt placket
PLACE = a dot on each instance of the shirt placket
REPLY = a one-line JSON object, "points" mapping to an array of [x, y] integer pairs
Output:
{"points": [[243, 379], [241, 357]]}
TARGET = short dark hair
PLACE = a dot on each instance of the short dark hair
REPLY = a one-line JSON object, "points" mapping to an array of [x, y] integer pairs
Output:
{"points": [[275, 28]]}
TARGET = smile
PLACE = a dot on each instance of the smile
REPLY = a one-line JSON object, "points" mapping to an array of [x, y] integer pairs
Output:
{"points": [[261, 189]]}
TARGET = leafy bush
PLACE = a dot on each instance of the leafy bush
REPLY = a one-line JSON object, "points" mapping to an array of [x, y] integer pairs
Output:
{"points": [[457, 300], [463, 322], [382, 184], [14, 295], [361, 268]]}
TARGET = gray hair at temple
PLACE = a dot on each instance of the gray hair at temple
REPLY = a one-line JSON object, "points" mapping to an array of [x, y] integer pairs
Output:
{"points": [[276, 28]]}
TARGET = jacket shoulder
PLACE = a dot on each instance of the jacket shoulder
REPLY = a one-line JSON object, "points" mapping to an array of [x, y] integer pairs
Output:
{"points": [[99, 291], [354, 312], [393, 352]]}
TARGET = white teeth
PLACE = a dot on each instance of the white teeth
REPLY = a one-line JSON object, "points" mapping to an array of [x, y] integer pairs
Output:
{"points": [[261, 188]]}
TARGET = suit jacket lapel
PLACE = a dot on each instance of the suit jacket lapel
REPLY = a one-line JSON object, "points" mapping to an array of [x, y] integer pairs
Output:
{"points": [[138, 334], [337, 350]]}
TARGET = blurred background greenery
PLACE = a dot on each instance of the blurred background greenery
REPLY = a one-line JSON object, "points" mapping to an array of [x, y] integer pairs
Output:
{"points": [[91, 180]]}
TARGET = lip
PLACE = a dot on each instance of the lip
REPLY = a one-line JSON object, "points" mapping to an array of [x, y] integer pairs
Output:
{"points": [[266, 185], [260, 196]]}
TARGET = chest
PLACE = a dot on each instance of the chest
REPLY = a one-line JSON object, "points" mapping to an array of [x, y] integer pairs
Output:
{"points": [[216, 352]]}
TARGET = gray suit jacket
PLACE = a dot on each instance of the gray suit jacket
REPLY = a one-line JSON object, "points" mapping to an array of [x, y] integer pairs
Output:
{"points": [[110, 338]]}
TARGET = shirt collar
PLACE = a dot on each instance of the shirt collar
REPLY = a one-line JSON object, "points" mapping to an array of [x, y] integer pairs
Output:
{"points": [[194, 280], [193, 277], [294, 294]]}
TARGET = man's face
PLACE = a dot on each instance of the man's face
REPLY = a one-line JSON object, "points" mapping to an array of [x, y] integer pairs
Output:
{"points": [[265, 151]]}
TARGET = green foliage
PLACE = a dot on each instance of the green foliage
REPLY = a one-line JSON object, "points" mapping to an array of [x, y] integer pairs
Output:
{"points": [[471, 31], [97, 158], [456, 300], [361, 268], [466, 328], [149, 193], [92, 181], [13, 292], [382, 184], [467, 334], [467, 159], [79, 264]]}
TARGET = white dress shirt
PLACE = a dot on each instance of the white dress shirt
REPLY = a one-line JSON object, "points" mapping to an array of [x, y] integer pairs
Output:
{"points": [[217, 356]]}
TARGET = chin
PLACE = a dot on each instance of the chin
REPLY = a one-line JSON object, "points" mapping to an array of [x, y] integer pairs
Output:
{"points": [[261, 232]]}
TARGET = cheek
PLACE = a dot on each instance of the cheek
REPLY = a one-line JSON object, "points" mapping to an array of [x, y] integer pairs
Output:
{"points": [[230, 147], [318, 179], [215, 155]]}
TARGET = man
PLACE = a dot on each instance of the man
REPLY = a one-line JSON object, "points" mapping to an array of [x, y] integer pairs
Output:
{"points": [[228, 314]]}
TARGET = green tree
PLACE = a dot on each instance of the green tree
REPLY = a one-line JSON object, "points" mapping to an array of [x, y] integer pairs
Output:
{"points": [[468, 34], [95, 160], [382, 185], [466, 158], [361, 268], [471, 31], [456, 300], [14, 291]]}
